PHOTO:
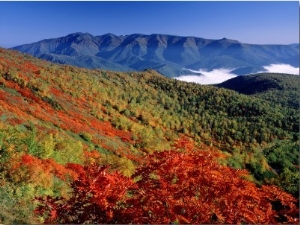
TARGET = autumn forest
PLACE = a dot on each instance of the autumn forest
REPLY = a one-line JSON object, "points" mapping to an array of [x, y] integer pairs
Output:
{"points": [[97, 146]]}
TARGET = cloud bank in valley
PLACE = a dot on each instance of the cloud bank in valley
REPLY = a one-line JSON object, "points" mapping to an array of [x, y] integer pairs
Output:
{"points": [[220, 75], [282, 68], [208, 77]]}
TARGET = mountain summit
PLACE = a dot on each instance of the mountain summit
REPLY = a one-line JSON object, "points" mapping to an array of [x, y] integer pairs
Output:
{"points": [[167, 54]]}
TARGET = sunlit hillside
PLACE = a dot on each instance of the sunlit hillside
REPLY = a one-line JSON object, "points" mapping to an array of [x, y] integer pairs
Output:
{"points": [[97, 146]]}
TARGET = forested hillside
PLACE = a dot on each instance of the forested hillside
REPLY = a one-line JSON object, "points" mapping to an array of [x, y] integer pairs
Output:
{"points": [[96, 146], [273, 87]]}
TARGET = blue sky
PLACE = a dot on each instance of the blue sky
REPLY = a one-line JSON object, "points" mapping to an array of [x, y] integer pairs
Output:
{"points": [[256, 22]]}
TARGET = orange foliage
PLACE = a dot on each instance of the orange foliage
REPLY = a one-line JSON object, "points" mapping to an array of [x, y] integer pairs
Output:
{"points": [[15, 121], [191, 187], [29, 67], [30, 106], [95, 197], [55, 91], [172, 186], [2, 95], [91, 156], [41, 170]]}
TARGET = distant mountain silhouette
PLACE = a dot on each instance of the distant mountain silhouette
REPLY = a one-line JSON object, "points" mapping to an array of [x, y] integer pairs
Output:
{"points": [[168, 54]]}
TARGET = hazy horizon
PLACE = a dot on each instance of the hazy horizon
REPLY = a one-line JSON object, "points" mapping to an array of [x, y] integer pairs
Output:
{"points": [[248, 22]]}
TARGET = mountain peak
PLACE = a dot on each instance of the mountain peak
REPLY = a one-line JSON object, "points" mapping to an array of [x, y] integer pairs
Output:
{"points": [[80, 36], [228, 40], [168, 54]]}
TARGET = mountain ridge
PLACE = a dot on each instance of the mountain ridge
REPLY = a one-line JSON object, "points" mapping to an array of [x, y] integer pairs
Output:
{"points": [[168, 54]]}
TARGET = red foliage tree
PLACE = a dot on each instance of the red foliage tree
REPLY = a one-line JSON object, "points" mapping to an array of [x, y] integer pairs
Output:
{"points": [[192, 187], [95, 199], [183, 186]]}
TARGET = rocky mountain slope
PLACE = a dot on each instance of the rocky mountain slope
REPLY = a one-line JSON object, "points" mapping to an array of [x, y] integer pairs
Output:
{"points": [[167, 54]]}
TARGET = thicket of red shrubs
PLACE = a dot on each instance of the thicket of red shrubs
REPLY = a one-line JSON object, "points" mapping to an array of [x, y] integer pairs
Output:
{"points": [[183, 185]]}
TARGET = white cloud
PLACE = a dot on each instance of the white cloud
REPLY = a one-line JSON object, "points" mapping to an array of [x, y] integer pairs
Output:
{"points": [[282, 68], [208, 77], [220, 75]]}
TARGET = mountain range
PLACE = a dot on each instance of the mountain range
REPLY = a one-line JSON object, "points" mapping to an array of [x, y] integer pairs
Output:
{"points": [[167, 54]]}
